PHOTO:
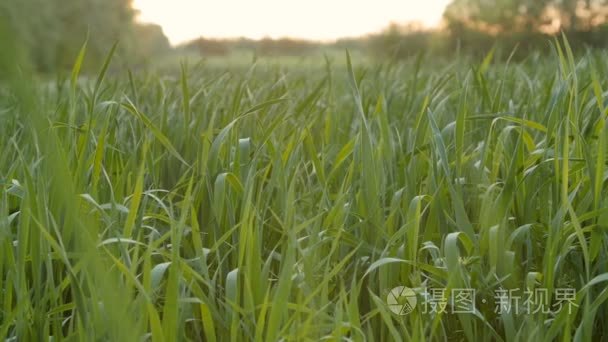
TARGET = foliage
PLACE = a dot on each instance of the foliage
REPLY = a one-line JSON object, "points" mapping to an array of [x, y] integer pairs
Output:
{"points": [[209, 47], [285, 47], [264, 47], [53, 31], [527, 15], [397, 43], [150, 41]]}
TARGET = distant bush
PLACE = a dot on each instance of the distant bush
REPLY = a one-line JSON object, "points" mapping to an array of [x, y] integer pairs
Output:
{"points": [[285, 47], [397, 44], [264, 47], [150, 40], [209, 47]]}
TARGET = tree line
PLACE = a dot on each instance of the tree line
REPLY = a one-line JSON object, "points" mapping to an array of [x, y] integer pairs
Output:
{"points": [[546, 16], [522, 26], [53, 31]]}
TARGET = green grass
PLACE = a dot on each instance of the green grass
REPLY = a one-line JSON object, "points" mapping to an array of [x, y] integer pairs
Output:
{"points": [[268, 201]]}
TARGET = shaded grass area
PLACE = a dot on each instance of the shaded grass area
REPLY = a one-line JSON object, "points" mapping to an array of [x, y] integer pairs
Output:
{"points": [[268, 202]]}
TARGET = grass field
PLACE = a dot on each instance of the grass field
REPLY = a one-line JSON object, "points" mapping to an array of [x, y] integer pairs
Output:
{"points": [[284, 202]]}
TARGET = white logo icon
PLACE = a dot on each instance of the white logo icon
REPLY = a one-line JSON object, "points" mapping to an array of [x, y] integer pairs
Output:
{"points": [[401, 300]]}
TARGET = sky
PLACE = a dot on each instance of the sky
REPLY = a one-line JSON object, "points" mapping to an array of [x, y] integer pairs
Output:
{"points": [[324, 20]]}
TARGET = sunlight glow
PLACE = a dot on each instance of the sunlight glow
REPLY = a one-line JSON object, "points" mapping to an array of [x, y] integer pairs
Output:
{"points": [[324, 20]]}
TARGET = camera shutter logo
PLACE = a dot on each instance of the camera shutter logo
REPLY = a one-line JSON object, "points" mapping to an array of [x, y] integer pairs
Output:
{"points": [[401, 300]]}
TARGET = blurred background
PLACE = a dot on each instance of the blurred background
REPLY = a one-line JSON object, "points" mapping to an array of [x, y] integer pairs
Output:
{"points": [[156, 31]]}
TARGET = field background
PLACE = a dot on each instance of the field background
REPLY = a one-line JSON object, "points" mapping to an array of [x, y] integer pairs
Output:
{"points": [[281, 197]]}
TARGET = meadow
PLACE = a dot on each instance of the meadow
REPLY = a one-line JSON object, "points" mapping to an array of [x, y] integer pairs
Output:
{"points": [[267, 201]]}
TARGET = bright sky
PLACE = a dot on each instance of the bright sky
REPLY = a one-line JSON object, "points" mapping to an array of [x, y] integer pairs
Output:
{"points": [[183, 20]]}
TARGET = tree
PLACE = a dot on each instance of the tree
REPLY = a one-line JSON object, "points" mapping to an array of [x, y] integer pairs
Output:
{"points": [[150, 40], [503, 16], [52, 31]]}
